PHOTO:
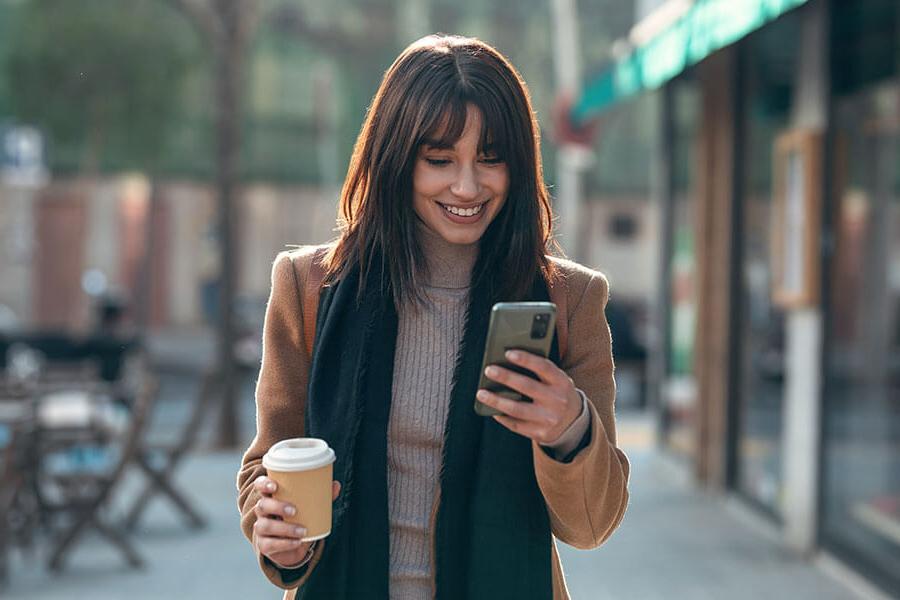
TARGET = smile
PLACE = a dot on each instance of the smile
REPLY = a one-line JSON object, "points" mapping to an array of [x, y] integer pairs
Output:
{"points": [[463, 212]]}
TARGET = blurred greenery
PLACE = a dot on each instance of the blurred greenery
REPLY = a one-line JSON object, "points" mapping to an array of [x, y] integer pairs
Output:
{"points": [[151, 79], [7, 12], [101, 83]]}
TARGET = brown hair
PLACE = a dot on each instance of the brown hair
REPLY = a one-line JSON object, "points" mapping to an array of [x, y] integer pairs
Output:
{"points": [[424, 95]]}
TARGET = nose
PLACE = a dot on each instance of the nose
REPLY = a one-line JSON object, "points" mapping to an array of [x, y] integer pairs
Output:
{"points": [[466, 186]]}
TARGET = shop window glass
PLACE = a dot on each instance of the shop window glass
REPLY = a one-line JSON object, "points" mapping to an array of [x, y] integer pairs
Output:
{"points": [[769, 72], [679, 397], [860, 520], [861, 504]]}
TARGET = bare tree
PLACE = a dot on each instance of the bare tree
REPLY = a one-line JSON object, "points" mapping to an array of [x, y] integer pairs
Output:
{"points": [[226, 26]]}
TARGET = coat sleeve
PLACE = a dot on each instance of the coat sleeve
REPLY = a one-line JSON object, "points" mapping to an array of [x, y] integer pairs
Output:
{"points": [[586, 497], [280, 398]]}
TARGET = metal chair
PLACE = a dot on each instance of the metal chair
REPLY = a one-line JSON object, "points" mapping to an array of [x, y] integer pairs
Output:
{"points": [[160, 461], [86, 486], [19, 510]]}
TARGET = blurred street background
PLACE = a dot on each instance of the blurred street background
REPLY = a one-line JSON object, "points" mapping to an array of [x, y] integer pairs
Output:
{"points": [[732, 166]]}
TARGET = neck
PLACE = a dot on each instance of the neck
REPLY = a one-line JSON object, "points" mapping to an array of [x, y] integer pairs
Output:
{"points": [[449, 265]]}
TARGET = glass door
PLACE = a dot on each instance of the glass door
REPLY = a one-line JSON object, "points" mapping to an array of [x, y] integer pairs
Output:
{"points": [[769, 61], [861, 487]]}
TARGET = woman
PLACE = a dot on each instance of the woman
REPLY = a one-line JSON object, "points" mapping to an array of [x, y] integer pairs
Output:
{"points": [[443, 212]]}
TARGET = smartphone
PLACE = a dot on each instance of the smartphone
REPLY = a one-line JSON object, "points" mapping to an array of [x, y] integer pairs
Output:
{"points": [[527, 326]]}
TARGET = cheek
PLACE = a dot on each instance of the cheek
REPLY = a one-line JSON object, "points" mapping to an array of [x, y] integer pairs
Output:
{"points": [[500, 184], [427, 183]]}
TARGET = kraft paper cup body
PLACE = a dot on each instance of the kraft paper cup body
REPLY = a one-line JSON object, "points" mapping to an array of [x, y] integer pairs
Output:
{"points": [[303, 470]]}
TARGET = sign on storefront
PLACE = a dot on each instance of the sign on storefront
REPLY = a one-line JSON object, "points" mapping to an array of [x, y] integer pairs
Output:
{"points": [[796, 218]]}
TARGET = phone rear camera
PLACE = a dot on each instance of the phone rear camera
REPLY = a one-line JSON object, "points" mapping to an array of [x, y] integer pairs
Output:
{"points": [[539, 326]]}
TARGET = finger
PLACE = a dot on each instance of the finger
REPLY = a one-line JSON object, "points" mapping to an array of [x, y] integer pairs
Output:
{"points": [[544, 368], [524, 411], [335, 490], [523, 428], [271, 528], [264, 485], [274, 545], [270, 506], [524, 385]]}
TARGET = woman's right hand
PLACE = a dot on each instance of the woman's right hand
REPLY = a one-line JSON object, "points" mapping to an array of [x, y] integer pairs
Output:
{"points": [[273, 537]]}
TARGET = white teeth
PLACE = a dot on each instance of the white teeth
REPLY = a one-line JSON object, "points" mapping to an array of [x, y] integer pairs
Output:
{"points": [[464, 212]]}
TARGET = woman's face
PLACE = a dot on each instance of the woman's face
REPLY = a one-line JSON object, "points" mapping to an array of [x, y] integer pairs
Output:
{"points": [[458, 191]]}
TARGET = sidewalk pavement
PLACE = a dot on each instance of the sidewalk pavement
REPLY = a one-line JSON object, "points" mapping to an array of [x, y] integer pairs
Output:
{"points": [[186, 350], [676, 543]]}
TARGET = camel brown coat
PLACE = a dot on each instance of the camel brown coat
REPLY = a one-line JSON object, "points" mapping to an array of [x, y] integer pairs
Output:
{"points": [[586, 498]]}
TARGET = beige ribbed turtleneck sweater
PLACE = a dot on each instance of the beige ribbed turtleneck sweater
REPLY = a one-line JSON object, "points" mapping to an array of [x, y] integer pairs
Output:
{"points": [[428, 340]]}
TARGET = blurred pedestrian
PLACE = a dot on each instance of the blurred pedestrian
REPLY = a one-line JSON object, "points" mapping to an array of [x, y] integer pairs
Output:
{"points": [[113, 336], [444, 211]]}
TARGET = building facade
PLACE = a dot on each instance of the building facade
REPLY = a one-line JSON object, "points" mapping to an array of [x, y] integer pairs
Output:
{"points": [[778, 371]]}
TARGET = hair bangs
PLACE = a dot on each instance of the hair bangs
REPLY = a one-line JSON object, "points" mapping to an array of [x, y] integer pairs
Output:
{"points": [[495, 128], [446, 126]]}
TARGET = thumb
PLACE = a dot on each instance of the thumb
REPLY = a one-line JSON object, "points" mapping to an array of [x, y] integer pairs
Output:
{"points": [[335, 490]]}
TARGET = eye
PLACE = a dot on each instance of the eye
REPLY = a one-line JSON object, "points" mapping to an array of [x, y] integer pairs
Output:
{"points": [[437, 162], [492, 160]]}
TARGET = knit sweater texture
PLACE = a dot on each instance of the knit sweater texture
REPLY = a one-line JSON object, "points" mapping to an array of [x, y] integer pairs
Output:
{"points": [[428, 337]]}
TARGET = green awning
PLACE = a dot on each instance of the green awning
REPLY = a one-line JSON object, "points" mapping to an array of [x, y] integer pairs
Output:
{"points": [[707, 26]]}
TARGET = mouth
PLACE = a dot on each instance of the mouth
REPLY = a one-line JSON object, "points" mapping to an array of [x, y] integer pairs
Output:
{"points": [[459, 211]]}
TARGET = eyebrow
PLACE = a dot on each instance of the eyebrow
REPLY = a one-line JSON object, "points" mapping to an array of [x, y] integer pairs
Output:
{"points": [[439, 145], [436, 144]]}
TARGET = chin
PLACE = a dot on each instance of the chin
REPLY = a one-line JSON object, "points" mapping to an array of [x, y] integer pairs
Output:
{"points": [[463, 238]]}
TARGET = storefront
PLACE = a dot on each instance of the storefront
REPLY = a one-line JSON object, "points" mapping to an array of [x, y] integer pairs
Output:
{"points": [[778, 366]]}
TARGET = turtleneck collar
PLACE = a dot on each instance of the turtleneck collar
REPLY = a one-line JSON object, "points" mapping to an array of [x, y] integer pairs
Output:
{"points": [[449, 265]]}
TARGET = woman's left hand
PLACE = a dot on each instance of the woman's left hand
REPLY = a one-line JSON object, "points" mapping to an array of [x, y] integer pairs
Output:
{"points": [[556, 403]]}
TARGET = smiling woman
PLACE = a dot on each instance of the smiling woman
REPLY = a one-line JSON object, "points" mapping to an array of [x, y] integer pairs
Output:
{"points": [[458, 109], [444, 212]]}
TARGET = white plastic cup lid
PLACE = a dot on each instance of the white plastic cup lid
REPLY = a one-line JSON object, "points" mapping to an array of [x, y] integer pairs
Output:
{"points": [[298, 454]]}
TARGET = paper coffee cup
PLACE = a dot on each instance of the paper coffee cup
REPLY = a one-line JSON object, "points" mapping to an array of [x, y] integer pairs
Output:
{"points": [[302, 468]]}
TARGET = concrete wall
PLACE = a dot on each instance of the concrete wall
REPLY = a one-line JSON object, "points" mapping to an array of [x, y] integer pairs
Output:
{"points": [[631, 263], [75, 226], [16, 252], [273, 218], [111, 240]]}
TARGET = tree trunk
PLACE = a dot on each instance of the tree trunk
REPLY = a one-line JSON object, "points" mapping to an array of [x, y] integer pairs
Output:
{"points": [[229, 52]]}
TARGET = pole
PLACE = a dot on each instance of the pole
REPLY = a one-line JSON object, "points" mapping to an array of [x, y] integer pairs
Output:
{"points": [[571, 159]]}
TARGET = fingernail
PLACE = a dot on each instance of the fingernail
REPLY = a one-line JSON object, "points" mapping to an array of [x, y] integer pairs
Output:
{"points": [[513, 355], [289, 511], [491, 371], [300, 531], [270, 486], [481, 395]]}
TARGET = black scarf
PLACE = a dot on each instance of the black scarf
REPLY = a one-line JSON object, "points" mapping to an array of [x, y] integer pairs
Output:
{"points": [[492, 532]]}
